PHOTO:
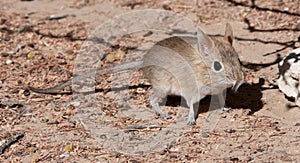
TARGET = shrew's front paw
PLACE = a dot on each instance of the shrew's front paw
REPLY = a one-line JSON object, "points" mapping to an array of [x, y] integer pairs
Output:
{"points": [[226, 109], [191, 122]]}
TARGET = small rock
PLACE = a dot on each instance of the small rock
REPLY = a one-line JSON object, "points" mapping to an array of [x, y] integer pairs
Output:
{"points": [[230, 130], [69, 148], [166, 7], [26, 92], [8, 61], [64, 155], [234, 159]]}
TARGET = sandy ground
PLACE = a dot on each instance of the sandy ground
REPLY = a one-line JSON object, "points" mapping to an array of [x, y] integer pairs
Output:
{"points": [[263, 125]]}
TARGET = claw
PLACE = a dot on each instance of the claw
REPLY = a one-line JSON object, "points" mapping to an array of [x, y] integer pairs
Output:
{"points": [[191, 122]]}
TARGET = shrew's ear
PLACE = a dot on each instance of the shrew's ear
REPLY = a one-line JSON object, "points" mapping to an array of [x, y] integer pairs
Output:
{"points": [[228, 34], [205, 44]]}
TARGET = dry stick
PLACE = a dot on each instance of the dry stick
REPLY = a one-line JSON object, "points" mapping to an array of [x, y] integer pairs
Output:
{"points": [[141, 127], [10, 142]]}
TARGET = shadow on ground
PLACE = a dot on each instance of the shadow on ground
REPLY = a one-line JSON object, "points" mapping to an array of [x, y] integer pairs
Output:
{"points": [[249, 96]]}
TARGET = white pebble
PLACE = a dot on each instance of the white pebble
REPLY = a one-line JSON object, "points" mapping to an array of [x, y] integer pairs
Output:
{"points": [[8, 61], [64, 155]]}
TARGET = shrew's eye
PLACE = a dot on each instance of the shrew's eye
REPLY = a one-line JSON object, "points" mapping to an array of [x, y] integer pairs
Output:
{"points": [[217, 66]]}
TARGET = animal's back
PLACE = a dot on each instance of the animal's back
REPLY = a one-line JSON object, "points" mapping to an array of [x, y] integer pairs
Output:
{"points": [[173, 65]]}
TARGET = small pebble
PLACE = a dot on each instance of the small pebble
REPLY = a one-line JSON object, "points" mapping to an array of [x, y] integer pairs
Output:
{"points": [[223, 116], [26, 92], [8, 61], [234, 159], [230, 130], [166, 7], [64, 155]]}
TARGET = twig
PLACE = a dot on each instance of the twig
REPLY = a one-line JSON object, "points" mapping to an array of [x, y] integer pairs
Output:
{"points": [[9, 142], [141, 127], [13, 52], [56, 17]]}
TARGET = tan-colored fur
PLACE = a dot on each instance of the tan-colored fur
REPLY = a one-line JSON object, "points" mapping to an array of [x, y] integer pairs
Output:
{"points": [[184, 66]]}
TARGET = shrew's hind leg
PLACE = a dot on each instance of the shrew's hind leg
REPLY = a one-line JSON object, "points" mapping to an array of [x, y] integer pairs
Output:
{"points": [[154, 101]]}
